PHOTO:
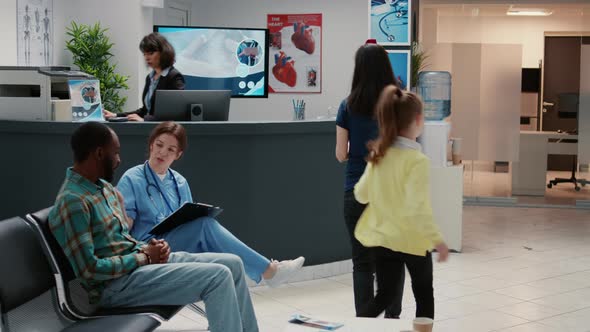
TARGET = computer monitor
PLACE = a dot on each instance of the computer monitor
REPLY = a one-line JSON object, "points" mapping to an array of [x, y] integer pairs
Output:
{"points": [[192, 105]]}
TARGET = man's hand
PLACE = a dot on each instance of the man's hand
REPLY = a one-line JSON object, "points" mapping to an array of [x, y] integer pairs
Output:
{"points": [[153, 251], [164, 249]]}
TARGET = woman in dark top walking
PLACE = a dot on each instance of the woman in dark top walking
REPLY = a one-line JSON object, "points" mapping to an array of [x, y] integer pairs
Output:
{"points": [[355, 127], [160, 56]]}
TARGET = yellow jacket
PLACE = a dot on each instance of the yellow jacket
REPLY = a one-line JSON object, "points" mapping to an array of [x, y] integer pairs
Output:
{"points": [[397, 190]]}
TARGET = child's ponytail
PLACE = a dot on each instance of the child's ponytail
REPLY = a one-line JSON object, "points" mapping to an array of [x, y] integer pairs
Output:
{"points": [[396, 110]]}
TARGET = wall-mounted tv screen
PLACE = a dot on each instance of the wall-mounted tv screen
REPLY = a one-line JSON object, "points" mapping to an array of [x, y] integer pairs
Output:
{"points": [[233, 59]]}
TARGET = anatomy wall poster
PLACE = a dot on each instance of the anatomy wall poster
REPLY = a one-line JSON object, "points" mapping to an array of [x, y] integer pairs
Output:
{"points": [[34, 32], [390, 22], [295, 59]]}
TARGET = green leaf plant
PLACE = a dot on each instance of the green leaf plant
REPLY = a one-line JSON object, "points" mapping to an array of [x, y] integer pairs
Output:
{"points": [[419, 58], [91, 51]]}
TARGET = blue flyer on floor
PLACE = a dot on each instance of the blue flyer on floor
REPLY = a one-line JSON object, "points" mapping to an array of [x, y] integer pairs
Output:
{"points": [[311, 322], [85, 99]]}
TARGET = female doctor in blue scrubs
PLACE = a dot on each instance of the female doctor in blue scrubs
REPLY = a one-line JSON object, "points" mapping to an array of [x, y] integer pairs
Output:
{"points": [[152, 191]]}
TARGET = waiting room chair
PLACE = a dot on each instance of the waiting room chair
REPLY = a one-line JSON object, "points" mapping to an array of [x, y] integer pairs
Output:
{"points": [[72, 298], [27, 282]]}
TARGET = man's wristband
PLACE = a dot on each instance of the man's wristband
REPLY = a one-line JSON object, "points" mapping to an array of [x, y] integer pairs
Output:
{"points": [[149, 260]]}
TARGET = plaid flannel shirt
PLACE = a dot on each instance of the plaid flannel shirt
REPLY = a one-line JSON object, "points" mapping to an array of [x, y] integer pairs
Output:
{"points": [[89, 225]]}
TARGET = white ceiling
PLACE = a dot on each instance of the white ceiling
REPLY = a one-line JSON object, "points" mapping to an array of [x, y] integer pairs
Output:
{"points": [[496, 2], [499, 8]]}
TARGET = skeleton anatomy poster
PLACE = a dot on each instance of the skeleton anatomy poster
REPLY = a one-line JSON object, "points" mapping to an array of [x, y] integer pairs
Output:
{"points": [[34, 32]]}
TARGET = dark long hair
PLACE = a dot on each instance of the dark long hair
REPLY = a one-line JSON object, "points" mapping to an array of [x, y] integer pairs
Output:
{"points": [[155, 42], [396, 110], [372, 72]]}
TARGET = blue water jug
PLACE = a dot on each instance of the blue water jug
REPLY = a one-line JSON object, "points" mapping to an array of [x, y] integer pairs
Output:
{"points": [[435, 89]]}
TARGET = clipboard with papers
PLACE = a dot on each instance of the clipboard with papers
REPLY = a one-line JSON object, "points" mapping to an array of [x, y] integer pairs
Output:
{"points": [[187, 212]]}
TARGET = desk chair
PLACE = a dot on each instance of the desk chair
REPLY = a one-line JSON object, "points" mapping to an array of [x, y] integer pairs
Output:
{"points": [[572, 179], [568, 104]]}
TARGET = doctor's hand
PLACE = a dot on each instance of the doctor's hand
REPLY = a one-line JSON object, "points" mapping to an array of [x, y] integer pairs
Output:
{"points": [[108, 114], [134, 117]]}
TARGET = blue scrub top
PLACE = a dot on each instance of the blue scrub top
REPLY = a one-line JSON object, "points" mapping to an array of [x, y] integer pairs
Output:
{"points": [[361, 129], [146, 210]]}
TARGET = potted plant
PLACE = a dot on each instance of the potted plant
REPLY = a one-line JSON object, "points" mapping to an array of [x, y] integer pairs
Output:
{"points": [[418, 63], [91, 51]]}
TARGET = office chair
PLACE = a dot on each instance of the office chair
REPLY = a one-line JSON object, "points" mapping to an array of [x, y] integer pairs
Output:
{"points": [[568, 104], [572, 179]]}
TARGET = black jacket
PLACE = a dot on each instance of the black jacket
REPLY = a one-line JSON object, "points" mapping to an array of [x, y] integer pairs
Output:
{"points": [[173, 81]]}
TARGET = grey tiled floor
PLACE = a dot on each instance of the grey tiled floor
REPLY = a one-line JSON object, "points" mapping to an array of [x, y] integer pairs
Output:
{"points": [[521, 270]]}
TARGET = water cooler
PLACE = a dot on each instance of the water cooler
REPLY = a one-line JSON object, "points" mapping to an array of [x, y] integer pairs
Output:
{"points": [[434, 87]]}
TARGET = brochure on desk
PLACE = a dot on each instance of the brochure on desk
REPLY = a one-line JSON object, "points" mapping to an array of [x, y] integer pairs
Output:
{"points": [[85, 99]]}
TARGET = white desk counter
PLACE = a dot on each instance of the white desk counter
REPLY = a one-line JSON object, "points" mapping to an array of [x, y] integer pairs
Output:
{"points": [[447, 203], [529, 174]]}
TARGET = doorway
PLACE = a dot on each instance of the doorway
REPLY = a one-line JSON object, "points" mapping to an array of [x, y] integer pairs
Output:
{"points": [[560, 111], [561, 87], [176, 13]]}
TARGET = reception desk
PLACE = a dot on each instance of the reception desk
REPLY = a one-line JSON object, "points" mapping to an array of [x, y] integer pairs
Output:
{"points": [[279, 183]]}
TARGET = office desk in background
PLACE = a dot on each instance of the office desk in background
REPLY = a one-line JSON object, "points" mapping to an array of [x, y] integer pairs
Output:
{"points": [[529, 174]]}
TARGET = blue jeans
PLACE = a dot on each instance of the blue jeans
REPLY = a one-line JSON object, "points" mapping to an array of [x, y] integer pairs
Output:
{"points": [[207, 235], [217, 279]]}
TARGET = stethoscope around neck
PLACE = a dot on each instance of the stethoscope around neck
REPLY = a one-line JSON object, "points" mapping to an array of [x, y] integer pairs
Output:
{"points": [[156, 186]]}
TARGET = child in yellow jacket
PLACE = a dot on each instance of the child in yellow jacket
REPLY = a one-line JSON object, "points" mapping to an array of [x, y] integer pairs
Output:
{"points": [[398, 218]]}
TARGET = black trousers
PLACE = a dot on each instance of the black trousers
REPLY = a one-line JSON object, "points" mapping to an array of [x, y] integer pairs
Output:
{"points": [[363, 262], [388, 265]]}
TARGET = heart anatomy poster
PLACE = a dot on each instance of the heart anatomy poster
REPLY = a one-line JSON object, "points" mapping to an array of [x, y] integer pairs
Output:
{"points": [[295, 57]]}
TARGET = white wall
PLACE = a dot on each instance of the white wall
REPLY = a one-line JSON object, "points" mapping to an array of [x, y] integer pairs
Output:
{"points": [[8, 32], [127, 22], [526, 31], [345, 28]]}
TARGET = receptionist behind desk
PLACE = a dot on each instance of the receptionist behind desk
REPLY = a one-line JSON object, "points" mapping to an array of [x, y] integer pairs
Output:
{"points": [[159, 55]]}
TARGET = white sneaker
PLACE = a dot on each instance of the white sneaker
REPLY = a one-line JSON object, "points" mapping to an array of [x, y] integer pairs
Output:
{"points": [[285, 271]]}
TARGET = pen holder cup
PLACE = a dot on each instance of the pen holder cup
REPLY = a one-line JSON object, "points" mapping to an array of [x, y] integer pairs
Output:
{"points": [[298, 113]]}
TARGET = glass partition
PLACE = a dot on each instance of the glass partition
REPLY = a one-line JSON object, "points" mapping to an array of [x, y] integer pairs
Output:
{"points": [[498, 68]]}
